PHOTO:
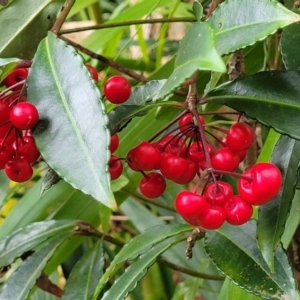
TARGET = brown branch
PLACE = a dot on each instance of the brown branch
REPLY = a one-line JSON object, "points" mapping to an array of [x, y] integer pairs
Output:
{"points": [[46, 285], [128, 23], [106, 61], [62, 16]]}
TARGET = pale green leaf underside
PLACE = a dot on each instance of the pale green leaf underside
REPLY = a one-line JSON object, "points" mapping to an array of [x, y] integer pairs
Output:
{"points": [[196, 52], [72, 133], [250, 21]]}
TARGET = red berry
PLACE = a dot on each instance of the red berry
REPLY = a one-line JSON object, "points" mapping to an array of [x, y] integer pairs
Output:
{"points": [[145, 156], [14, 77], [187, 126], [195, 153], [172, 144], [240, 137], [115, 167], [93, 72], [24, 115], [189, 175], [117, 89], [18, 169], [27, 147], [218, 193], [173, 167], [114, 143], [213, 217], [225, 160], [6, 153], [153, 185], [237, 210], [264, 184], [130, 162], [190, 205]]}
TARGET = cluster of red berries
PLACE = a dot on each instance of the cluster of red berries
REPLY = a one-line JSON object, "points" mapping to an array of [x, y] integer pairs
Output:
{"points": [[18, 150], [183, 155]]}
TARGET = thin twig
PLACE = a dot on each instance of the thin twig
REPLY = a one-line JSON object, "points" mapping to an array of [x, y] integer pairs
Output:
{"points": [[46, 285], [62, 16], [107, 61], [127, 23]]}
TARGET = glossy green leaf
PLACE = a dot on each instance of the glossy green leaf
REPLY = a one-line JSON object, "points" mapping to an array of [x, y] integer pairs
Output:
{"points": [[24, 278], [273, 215], [137, 270], [85, 275], [272, 98], [268, 146], [25, 239], [290, 39], [6, 66], [254, 20], [196, 52], [234, 250], [120, 116], [139, 245], [4, 187], [79, 5], [31, 21], [67, 98]]}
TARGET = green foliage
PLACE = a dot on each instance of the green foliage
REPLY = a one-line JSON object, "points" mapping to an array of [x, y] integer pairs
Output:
{"points": [[50, 221]]}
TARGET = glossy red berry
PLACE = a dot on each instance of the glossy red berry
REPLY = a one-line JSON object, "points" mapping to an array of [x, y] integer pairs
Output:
{"points": [[218, 193], [190, 206], [93, 72], [145, 156], [114, 143], [14, 77], [189, 175], [264, 184], [225, 160], [27, 147], [187, 126], [213, 217], [172, 144], [152, 185], [24, 115], [18, 169], [6, 153], [115, 167], [173, 167], [240, 137], [117, 89], [237, 210]]}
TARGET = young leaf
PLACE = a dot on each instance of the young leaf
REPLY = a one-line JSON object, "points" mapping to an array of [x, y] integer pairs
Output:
{"points": [[51, 178], [72, 133], [272, 98], [25, 239], [196, 52], [290, 39], [139, 245], [127, 282], [31, 21], [24, 278], [198, 10], [247, 267], [253, 21], [85, 275], [6, 66], [273, 215]]}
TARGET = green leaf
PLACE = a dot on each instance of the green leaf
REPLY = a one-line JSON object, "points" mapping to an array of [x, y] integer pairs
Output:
{"points": [[24, 278], [51, 178], [139, 245], [28, 22], [72, 119], [253, 21], [127, 282], [272, 98], [196, 52], [25, 239], [273, 215], [121, 115], [247, 267], [85, 275], [198, 10], [290, 38], [4, 187], [6, 66], [79, 5]]}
